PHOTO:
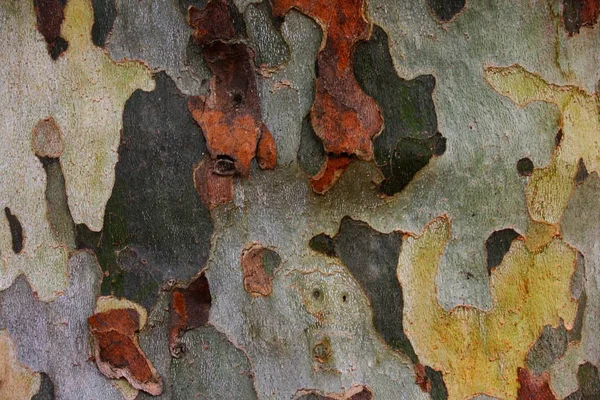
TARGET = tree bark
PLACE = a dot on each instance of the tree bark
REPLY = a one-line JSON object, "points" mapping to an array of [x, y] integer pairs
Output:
{"points": [[299, 199]]}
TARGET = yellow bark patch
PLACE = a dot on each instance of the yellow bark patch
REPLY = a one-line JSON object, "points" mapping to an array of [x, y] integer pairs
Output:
{"points": [[477, 351], [16, 381], [550, 187], [84, 92]]}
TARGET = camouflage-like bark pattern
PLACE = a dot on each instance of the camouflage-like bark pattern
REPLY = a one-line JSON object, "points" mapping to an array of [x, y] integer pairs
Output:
{"points": [[277, 199]]}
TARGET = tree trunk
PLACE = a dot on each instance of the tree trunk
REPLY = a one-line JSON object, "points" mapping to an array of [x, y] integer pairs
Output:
{"points": [[299, 199]]}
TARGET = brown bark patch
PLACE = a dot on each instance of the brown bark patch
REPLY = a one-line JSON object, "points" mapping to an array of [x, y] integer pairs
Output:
{"points": [[421, 378], [117, 352], [213, 189], [534, 387], [190, 308], [580, 13], [49, 15], [46, 139], [258, 269], [343, 116], [230, 116]]}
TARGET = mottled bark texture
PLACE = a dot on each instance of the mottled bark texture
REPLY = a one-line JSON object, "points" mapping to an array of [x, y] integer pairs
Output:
{"points": [[299, 199]]}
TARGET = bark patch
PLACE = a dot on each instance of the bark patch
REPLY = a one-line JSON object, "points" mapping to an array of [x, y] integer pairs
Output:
{"points": [[105, 13], [497, 245], [46, 139], [117, 352], [258, 267], [230, 116], [534, 387], [16, 231], [354, 393], [156, 227], [49, 15], [343, 116], [214, 189], [445, 10], [409, 139], [190, 308], [580, 13]]}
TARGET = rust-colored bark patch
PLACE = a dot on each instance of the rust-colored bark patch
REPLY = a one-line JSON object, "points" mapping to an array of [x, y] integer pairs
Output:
{"points": [[330, 172], [342, 115], [190, 308], [266, 154], [46, 139], [421, 378], [580, 13], [50, 15], [534, 387], [230, 117], [213, 189], [258, 266], [117, 352]]}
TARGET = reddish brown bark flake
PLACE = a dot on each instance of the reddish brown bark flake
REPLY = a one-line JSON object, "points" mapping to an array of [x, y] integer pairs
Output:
{"points": [[117, 352], [342, 115], [534, 387], [422, 379], [590, 10], [266, 153], [330, 172], [49, 15], [214, 190], [190, 308], [257, 281], [230, 117]]}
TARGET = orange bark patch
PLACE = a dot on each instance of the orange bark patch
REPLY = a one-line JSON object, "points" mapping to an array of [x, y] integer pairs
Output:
{"points": [[342, 115], [230, 117], [267, 151], [117, 352], [534, 387], [190, 308], [257, 281], [331, 171], [213, 189]]}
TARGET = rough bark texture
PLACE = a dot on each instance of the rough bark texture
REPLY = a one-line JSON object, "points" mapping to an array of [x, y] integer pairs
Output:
{"points": [[299, 199]]}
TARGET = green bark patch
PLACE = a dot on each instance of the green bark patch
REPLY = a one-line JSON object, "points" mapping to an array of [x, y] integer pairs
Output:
{"points": [[155, 227], [409, 138]]}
